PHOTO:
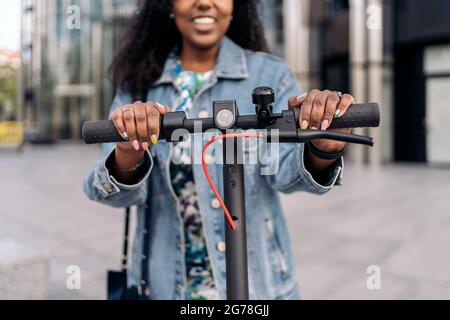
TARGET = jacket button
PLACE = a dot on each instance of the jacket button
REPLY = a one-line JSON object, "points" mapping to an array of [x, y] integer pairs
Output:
{"points": [[181, 245], [108, 188], [215, 203], [221, 246], [203, 114]]}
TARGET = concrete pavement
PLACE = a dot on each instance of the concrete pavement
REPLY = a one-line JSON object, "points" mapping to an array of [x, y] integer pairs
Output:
{"points": [[394, 217]]}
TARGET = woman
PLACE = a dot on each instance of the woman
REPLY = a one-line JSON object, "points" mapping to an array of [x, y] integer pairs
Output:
{"points": [[185, 54]]}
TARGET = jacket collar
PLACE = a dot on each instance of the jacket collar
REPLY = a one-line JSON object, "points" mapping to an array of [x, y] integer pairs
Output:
{"points": [[231, 63]]}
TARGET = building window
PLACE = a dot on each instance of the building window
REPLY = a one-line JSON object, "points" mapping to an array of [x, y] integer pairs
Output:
{"points": [[437, 82], [337, 6], [272, 18]]}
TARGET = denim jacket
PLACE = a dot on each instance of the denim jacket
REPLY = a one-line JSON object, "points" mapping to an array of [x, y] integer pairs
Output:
{"points": [[271, 266]]}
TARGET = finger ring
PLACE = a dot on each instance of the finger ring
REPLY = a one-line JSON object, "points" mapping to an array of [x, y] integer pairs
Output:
{"points": [[339, 93], [127, 109]]}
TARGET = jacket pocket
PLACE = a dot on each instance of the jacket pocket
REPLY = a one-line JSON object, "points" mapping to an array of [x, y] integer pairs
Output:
{"points": [[280, 263]]}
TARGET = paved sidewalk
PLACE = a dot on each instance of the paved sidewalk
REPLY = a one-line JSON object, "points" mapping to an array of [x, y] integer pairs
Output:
{"points": [[395, 217]]}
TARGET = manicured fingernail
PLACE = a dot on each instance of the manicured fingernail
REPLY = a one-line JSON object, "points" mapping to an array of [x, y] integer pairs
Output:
{"points": [[125, 136], [145, 146], [304, 125], [160, 106], [337, 114], [325, 125], [300, 98], [154, 138], [136, 145]]}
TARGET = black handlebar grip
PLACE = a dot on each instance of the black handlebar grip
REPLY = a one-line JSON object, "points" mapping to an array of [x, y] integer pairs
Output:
{"points": [[366, 115], [100, 132]]}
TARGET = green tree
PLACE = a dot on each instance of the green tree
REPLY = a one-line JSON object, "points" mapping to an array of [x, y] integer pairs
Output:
{"points": [[8, 97]]}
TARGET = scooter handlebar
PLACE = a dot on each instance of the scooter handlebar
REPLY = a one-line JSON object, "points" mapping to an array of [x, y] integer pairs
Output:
{"points": [[357, 116]]}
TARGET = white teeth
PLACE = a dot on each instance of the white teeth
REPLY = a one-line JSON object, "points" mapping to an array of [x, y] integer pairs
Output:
{"points": [[204, 20]]}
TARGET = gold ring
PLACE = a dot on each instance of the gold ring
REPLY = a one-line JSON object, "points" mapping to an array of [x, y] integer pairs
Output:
{"points": [[128, 109]]}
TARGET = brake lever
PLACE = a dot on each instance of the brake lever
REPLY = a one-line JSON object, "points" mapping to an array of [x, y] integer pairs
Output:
{"points": [[309, 135]]}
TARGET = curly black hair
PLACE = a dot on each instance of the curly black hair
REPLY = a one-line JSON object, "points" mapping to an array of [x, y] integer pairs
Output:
{"points": [[152, 35]]}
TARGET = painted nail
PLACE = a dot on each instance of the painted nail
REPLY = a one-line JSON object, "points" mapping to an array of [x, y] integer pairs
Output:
{"points": [[337, 114], [135, 145], [125, 136], [154, 138], [145, 146], [300, 98], [304, 125], [325, 125]]}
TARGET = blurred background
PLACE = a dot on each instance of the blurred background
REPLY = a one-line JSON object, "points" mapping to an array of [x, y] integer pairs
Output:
{"points": [[393, 211]]}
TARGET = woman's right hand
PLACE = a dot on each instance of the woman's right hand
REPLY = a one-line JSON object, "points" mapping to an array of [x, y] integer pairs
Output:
{"points": [[138, 123]]}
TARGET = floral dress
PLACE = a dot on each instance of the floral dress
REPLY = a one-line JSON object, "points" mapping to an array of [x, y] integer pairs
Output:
{"points": [[200, 282]]}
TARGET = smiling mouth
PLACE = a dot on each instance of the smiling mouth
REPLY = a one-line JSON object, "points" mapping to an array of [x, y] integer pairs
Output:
{"points": [[204, 20]]}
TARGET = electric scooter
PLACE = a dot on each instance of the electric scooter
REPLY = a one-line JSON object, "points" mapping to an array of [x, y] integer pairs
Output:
{"points": [[276, 127]]}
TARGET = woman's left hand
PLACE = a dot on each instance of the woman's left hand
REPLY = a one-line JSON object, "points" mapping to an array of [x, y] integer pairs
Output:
{"points": [[319, 108]]}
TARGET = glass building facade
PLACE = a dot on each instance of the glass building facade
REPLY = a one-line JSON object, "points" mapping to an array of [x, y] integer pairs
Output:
{"points": [[68, 46]]}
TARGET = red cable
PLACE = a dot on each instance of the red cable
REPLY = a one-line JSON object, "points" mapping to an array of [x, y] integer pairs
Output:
{"points": [[208, 177]]}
